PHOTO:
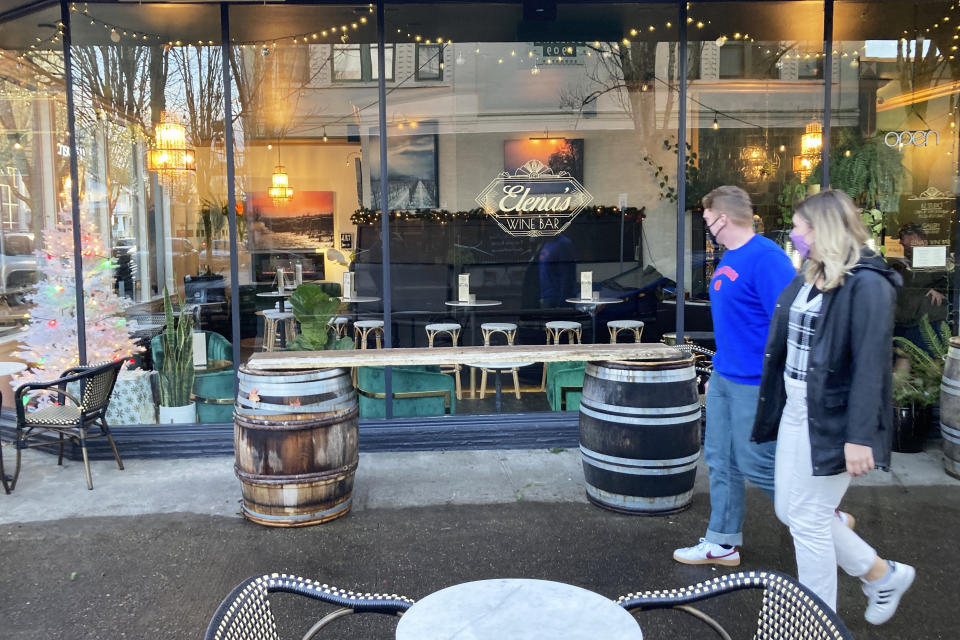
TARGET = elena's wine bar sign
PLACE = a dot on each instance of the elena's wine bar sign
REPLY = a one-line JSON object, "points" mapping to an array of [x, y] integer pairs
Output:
{"points": [[534, 201]]}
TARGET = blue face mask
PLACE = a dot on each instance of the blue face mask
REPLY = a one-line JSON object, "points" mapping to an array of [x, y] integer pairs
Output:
{"points": [[801, 245]]}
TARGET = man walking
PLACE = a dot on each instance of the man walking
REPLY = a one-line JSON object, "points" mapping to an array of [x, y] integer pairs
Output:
{"points": [[743, 295]]}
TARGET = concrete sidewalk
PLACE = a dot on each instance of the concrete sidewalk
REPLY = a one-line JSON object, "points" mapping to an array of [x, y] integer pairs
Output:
{"points": [[384, 481], [152, 550]]}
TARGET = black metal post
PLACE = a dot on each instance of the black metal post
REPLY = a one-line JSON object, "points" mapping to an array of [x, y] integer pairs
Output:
{"points": [[384, 208], [827, 93], [74, 182], [231, 192], [681, 171]]}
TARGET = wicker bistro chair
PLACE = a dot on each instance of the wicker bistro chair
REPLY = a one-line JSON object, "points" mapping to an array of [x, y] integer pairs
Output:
{"points": [[789, 611], [245, 614], [67, 420]]}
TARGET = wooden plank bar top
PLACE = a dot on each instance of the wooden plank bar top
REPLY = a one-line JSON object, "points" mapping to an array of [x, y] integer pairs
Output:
{"points": [[286, 360]]}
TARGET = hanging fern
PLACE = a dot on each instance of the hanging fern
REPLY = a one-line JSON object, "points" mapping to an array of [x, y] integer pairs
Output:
{"points": [[866, 169]]}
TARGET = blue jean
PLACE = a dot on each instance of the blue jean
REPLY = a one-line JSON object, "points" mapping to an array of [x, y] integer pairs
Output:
{"points": [[731, 457]]}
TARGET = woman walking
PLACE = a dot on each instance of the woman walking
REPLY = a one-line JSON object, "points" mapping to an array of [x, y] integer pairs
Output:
{"points": [[825, 397]]}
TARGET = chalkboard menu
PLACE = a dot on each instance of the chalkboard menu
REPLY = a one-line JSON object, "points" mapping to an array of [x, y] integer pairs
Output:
{"points": [[933, 211]]}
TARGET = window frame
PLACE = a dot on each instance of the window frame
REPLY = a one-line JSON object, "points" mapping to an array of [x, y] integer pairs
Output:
{"points": [[368, 69], [419, 76]]}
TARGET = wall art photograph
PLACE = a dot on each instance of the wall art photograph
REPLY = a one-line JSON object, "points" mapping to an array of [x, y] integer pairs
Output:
{"points": [[306, 222], [412, 171], [560, 154]]}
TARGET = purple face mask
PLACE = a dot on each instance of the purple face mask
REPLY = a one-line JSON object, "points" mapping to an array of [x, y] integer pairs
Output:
{"points": [[801, 245]]}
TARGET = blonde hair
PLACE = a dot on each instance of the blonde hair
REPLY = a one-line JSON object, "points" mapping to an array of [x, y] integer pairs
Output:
{"points": [[732, 201], [841, 235]]}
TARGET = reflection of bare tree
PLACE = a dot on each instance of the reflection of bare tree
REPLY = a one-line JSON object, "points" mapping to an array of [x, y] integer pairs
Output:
{"points": [[196, 85], [916, 71], [113, 79], [23, 82], [119, 93], [625, 75], [271, 84]]}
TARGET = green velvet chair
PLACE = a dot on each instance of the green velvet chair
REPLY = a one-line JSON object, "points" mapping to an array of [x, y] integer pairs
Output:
{"points": [[565, 384], [417, 391], [213, 390]]}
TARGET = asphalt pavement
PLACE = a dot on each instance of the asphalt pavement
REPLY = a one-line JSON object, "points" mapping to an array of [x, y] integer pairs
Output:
{"points": [[153, 549]]}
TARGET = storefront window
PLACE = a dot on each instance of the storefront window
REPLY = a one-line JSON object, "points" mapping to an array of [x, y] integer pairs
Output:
{"points": [[148, 90], [755, 119], [297, 121], [537, 162], [531, 160], [894, 142], [34, 201]]}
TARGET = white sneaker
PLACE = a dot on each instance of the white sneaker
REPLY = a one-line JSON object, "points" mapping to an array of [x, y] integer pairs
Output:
{"points": [[884, 595], [708, 553]]}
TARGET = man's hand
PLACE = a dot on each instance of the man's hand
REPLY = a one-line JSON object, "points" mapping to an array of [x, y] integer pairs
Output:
{"points": [[859, 458], [936, 298]]}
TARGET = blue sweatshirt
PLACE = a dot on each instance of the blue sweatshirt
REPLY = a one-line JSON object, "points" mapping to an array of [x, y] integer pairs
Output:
{"points": [[743, 295]]}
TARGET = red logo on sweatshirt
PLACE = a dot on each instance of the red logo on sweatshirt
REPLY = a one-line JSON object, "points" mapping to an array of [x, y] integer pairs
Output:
{"points": [[723, 271]]}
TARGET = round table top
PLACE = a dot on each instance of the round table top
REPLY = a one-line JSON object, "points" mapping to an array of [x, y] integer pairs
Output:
{"points": [[136, 327], [516, 608], [215, 365], [10, 368], [275, 294], [598, 301], [475, 303], [360, 299]]}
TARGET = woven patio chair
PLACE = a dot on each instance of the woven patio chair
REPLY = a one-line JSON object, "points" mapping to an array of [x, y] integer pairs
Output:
{"points": [[66, 420], [245, 614], [789, 610]]}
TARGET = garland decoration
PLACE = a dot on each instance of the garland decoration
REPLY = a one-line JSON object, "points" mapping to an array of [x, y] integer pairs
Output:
{"points": [[365, 216]]}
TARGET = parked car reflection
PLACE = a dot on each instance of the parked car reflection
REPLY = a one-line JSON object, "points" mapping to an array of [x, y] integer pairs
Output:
{"points": [[18, 266]]}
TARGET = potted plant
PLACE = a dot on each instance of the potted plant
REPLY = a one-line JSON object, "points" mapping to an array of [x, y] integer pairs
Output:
{"points": [[295, 430], [176, 369], [916, 388]]}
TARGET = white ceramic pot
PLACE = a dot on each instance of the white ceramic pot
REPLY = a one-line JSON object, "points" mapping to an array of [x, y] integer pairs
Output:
{"points": [[186, 414]]}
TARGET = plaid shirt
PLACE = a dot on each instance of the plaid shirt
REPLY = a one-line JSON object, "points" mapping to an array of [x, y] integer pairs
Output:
{"points": [[801, 327]]}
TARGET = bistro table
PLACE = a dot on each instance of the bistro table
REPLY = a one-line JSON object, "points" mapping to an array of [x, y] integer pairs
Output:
{"points": [[516, 608], [213, 366], [496, 368], [592, 306], [356, 300]]}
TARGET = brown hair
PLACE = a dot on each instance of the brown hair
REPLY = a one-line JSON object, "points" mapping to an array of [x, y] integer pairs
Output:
{"points": [[732, 201]]}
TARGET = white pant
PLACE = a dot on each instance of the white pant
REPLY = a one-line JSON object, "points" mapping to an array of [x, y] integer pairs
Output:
{"points": [[806, 503]]}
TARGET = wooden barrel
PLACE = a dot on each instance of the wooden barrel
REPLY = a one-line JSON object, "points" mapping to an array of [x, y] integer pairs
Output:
{"points": [[950, 410], [295, 441], [640, 433]]}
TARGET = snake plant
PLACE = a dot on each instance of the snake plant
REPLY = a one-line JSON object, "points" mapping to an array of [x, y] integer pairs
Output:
{"points": [[176, 341]]}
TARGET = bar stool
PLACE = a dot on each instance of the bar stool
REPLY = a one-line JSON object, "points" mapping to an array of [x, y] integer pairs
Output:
{"points": [[362, 330], [616, 326], [555, 331], [339, 324], [271, 327], [452, 329], [509, 331]]}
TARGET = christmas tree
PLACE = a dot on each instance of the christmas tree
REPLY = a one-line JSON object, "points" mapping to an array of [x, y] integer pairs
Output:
{"points": [[49, 344]]}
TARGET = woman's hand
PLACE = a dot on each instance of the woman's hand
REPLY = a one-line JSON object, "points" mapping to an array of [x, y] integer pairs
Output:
{"points": [[859, 458]]}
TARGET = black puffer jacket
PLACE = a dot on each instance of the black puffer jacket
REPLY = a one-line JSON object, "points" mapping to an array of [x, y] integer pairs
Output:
{"points": [[849, 373]]}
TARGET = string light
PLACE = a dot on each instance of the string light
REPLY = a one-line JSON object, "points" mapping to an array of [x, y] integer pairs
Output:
{"points": [[716, 124]]}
